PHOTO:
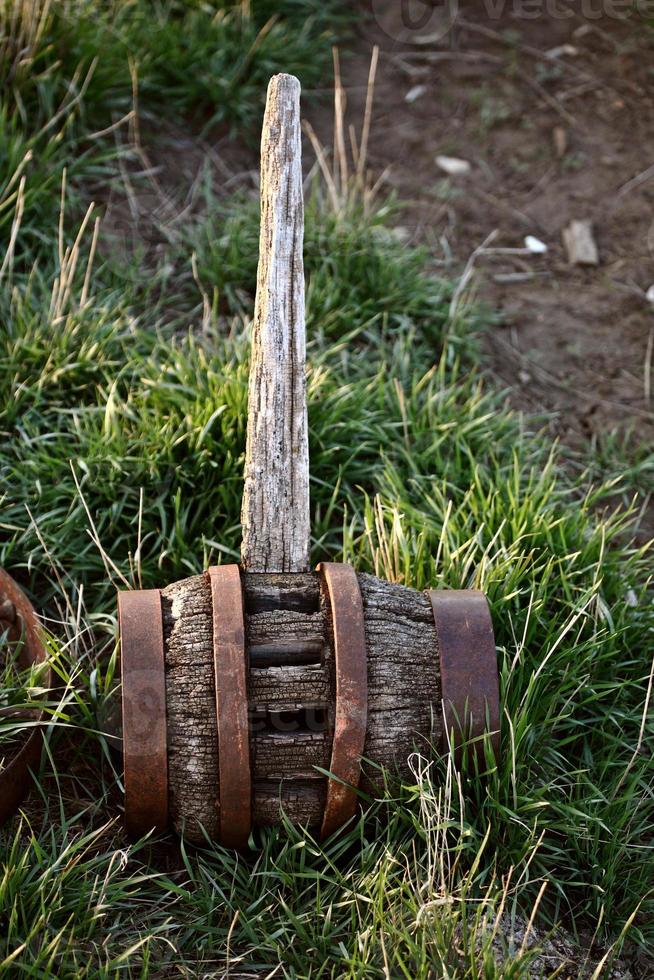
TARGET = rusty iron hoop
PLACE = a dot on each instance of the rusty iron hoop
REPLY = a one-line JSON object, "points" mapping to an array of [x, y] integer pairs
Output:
{"points": [[234, 782], [18, 615], [469, 677], [145, 743], [351, 709]]}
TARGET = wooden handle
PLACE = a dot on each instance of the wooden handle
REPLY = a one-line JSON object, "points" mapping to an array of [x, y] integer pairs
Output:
{"points": [[275, 512]]}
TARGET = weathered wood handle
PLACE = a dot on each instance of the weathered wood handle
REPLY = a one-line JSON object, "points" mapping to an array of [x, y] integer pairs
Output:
{"points": [[275, 513]]}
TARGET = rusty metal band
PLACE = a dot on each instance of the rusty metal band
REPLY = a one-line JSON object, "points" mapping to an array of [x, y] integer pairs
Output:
{"points": [[351, 709], [18, 619], [145, 743], [469, 676], [234, 779]]}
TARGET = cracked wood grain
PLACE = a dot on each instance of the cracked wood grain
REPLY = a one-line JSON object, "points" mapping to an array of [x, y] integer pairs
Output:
{"points": [[404, 707], [275, 512]]}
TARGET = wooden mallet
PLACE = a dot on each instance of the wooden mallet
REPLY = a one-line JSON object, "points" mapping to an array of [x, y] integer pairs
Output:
{"points": [[242, 686]]}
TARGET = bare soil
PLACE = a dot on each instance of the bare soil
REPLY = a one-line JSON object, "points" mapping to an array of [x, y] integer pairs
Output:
{"points": [[556, 117]]}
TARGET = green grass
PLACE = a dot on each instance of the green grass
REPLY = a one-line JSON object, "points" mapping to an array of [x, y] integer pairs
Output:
{"points": [[210, 58], [122, 433], [420, 474], [77, 71]]}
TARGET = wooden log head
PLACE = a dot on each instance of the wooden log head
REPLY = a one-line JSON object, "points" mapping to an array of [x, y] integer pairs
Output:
{"points": [[248, 740], [267, 689]]}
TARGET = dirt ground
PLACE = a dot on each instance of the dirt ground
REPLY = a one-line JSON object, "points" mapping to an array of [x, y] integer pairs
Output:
{"points": [[555, 116]]}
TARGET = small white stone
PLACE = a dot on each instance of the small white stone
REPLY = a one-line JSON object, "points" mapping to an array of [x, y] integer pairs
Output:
{"points": [[535, 245], [562, 49], [631, 598], [453, 166], [650, 293], [415, 93]]}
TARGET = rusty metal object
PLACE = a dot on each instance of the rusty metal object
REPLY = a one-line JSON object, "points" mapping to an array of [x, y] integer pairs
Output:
{"points": [[235, 785], [351, 710], [469, 676], [145, 746], [18, 618]]}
